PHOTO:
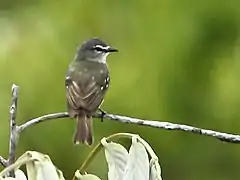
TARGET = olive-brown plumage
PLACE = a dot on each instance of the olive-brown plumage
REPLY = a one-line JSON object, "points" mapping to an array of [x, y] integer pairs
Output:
{"points": [[87, 82]]}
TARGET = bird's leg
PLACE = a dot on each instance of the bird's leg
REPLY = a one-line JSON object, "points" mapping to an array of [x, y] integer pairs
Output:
{"points": [[103, 113]]}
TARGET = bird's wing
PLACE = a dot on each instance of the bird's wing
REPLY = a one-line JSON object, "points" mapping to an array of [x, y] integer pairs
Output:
{"points": [[84, 92]]}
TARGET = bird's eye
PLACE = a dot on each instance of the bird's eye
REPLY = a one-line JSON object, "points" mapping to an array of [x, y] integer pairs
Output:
{"points": [[98, 49]]}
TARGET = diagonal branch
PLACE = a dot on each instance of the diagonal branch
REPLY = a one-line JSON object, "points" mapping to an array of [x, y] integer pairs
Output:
{"points": [[156, 124]]}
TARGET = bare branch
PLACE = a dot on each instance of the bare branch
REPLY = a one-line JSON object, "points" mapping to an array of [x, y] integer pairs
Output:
{"points": [[13, 132], [171, 126], [3, 161], [157, 124], [41, 119]]}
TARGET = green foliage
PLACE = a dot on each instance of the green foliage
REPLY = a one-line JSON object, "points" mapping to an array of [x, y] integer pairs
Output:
{"points": [[178, 61]]}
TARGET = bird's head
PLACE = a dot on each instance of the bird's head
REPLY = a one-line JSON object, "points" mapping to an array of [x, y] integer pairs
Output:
{"points": [[94, 50]]}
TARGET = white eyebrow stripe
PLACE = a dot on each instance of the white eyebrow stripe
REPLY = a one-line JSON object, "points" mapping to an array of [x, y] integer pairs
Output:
{"points": [[105, 48]]}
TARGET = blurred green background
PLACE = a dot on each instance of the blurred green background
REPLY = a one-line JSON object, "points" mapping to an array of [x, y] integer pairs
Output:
{"points": [[179, 61]]}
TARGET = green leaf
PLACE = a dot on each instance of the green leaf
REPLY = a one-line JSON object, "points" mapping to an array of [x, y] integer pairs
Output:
{"points": [[138, 163], [117, 157]]}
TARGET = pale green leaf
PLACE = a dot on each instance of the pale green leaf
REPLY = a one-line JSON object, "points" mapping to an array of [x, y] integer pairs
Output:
{"points": [[79, 176], [46, 170], [155, 170], [31, 171], [138, 163], [117, 157], [31, 166], [89, 177], [60, 175], [38, 165], [20, 175]]}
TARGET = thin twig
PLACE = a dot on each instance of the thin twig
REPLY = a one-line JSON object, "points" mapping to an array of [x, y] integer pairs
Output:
{"points": [[232, 138], [13, 130], [3, 161]]}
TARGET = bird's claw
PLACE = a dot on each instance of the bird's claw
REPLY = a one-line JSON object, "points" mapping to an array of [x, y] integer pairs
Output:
{"points": [[103, 113]]}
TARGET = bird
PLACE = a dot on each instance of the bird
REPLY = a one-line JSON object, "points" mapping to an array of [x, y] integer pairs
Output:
{"points": [[87, 81]]}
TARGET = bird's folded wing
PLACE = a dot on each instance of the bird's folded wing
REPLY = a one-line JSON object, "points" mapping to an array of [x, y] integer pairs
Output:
{"points": [[86, 96]]}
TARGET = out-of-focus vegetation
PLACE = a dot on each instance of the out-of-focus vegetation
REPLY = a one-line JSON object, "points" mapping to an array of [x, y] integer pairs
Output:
{"points": [[179, 61]]}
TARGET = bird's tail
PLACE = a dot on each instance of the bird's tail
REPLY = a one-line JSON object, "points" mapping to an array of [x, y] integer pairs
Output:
{"points": [[83, 132]]}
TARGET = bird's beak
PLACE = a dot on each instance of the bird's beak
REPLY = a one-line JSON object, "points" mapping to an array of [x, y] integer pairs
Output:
{"points": [[110, 49]]}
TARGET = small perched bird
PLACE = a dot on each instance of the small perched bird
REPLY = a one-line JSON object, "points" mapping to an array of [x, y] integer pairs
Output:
{"points": [[87, 81]]}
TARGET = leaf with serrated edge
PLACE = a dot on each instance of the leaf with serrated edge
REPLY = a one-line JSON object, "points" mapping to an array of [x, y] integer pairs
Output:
{"points": [[116, 156], [138, 163]]}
